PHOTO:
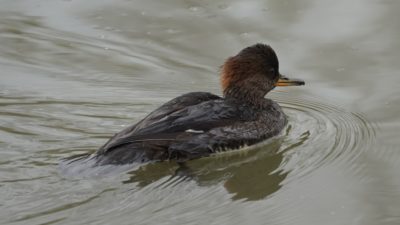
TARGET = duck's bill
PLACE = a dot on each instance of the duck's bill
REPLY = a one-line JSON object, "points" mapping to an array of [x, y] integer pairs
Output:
{"points": [[284, 81]]}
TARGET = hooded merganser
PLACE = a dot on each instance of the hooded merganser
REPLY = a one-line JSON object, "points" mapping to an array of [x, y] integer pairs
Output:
{"points": [[198, 124]]}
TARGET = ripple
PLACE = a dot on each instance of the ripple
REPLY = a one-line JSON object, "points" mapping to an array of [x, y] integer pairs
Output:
{"points": [[63, 207], [320, 134]]}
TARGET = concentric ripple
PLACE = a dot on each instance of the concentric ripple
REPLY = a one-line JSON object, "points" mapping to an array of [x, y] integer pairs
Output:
{"points": [[320, 133]]}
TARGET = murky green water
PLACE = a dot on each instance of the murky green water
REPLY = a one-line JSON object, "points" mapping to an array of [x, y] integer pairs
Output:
{"points": [[75, 72]]}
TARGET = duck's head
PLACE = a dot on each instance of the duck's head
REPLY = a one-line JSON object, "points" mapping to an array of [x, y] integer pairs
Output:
{"points": [[252, 73]]}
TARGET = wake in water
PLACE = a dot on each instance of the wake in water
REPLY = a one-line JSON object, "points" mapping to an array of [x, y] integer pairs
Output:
{"points": [[84, 166]]}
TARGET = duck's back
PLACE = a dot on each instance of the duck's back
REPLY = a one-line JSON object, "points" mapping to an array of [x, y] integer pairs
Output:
{"points": [[192, 126]]}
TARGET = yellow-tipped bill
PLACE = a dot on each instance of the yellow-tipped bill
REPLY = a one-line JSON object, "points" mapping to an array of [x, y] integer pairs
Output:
{"points": [[284, 81]]}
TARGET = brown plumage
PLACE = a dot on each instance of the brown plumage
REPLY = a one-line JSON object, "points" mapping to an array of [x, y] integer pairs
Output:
{"points": [[250, 74]]}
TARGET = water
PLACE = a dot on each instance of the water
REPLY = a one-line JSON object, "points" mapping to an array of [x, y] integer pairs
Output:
{"points": [[75, 72]]}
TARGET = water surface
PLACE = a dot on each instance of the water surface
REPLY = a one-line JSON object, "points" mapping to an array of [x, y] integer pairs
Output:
{"points": [[75, 72]]}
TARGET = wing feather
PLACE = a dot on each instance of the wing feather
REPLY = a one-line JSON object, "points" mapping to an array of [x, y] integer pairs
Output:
{"points": [[194, 111]]}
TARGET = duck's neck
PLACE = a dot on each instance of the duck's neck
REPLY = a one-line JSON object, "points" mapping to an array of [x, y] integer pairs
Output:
{"points": [[253, 97]]}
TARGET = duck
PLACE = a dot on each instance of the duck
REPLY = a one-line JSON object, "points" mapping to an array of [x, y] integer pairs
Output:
{"points": [[200, 124]]}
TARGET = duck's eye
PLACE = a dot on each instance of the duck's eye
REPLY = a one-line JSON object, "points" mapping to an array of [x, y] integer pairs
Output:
{"points": [[272, 70]]}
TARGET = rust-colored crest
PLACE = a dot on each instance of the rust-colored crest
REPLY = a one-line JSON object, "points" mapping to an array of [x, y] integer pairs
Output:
{"points": [[227, 74], [254, 67]]}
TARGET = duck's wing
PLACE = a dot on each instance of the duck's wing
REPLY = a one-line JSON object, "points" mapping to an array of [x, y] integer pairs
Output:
{"points": [[151, 120], [183, 124], [176, 104]]}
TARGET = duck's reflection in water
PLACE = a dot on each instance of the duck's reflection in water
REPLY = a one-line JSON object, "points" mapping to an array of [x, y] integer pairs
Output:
{"points": [[250, 174]]}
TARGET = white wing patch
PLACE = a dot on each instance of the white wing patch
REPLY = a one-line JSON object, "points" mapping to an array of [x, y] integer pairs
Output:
{"points": [[194, 131]]}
